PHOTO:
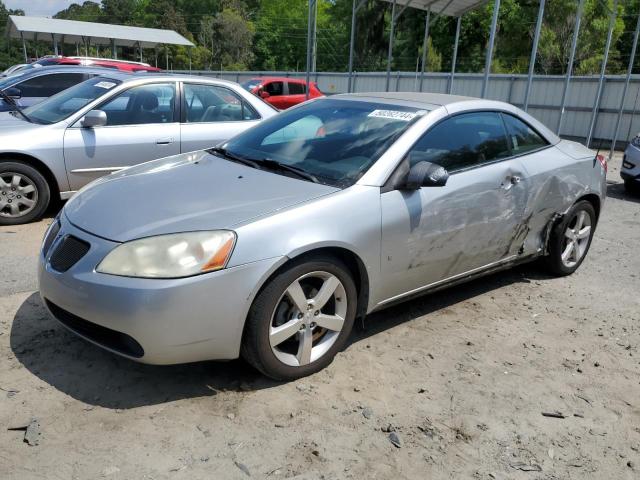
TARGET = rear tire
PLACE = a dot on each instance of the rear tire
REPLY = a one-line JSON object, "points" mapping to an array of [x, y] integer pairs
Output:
{"points": [[632, 187], [301, 319], [24, 193], [570, 239]]}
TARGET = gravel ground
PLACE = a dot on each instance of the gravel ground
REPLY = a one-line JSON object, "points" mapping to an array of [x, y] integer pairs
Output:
{"points": [[458, 380]]}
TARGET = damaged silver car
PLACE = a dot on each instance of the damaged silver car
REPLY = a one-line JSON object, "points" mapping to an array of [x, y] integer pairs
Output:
{"points": [[326, 212]]}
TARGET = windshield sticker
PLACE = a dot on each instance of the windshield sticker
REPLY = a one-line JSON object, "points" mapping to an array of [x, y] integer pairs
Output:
{"points": [[394, 115], [106, 85]]}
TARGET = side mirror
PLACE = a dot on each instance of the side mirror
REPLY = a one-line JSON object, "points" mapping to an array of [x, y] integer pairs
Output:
{"points": [[94, 118], [264, 94], [13, 92], [426, 174]]}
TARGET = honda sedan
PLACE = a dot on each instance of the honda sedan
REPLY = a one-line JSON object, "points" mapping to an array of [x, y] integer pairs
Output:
{"points": [[109, 123], [270, 245]]}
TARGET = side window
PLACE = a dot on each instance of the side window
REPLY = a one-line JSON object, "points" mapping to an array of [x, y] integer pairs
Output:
{"points": [[211, 103], [521, 136], [463, 141], [273, 88], [142, 105], [48, 85], [297, 88]]}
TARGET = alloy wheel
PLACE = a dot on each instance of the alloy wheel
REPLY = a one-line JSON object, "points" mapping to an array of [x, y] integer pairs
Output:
{"points": [[576, 239], [308, 318], [18, 195]]}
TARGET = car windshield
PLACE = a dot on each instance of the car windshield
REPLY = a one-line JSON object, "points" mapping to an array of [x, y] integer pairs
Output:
{"points": [[67, 102], [335, 141], [251, 84]]}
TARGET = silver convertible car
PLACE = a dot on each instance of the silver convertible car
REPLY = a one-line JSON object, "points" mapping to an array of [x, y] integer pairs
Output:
{"points": [[270, 245], [108, 123]]}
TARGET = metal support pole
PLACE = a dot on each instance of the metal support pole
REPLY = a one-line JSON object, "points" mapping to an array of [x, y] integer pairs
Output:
{"points": [[626, 86], [390, 52], [534, 54], [114, 49], [572, 55], [310, 34], [424, 47], [603, 71], [77, 49], [354, 11], [166, 57], [314, 47], [24, 48], [86, 46], [455, 54], [489, 54], [55, 43], [61, 46]]}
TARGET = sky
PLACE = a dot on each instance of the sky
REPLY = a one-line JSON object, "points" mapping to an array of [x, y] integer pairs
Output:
{"points": [[40, 8]]}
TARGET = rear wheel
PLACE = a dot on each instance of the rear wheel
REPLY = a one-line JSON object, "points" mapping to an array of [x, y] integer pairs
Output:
{"points": [[301, 319], [24, 193], [571, 238]]}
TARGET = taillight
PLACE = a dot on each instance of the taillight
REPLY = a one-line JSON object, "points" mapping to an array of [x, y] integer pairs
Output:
{"points": [[603, 162]]}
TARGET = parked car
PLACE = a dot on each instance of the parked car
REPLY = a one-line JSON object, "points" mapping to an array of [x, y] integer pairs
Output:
{"points": [[123, 65], [285, 234], [630, 171], [282, 92], [108, 123], [13, 69], [31, 87]]}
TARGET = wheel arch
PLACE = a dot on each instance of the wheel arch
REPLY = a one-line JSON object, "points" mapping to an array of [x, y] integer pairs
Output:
{"points": [[38, 165], [594, 200]]}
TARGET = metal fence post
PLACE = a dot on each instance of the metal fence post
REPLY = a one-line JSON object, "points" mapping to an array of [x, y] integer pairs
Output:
{"points": [[534, 53], [24, 48], [626, 86], [390, 52], [489, 55], [455, 54], [574, 44], [603, 71], [354, 10], [309, 42], [424, 47]]}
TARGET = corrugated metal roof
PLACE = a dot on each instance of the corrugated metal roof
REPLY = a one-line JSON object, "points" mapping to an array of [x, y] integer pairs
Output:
{"points": [[74, 31], [451, 8]]}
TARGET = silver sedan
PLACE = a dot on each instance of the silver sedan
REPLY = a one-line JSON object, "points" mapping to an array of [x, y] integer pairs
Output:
{"points": [[108, 123], [285, 234]]}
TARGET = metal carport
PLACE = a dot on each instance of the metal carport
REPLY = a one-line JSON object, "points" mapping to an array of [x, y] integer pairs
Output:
{"points": [[86, 33]]}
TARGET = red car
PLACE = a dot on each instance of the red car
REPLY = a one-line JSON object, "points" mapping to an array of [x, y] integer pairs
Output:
{"points": [[123, 65], [282, 92]]}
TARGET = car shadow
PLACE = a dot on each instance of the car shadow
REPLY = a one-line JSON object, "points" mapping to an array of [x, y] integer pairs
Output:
{"points": [[97, 377], [617, 190]]}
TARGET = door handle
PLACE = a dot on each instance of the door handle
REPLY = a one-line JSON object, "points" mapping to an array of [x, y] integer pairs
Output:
{"points": [[164, 141]]}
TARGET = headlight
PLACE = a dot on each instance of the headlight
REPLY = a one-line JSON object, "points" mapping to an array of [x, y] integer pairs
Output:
{"points": [[170, 256], [636, 141]]}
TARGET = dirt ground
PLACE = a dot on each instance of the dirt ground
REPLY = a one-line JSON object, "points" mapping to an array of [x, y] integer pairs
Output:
{"points": [[460, 377]]}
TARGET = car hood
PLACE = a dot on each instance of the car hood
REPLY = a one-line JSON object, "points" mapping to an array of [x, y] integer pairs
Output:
{"points": [[187, 192], [10, 123]]}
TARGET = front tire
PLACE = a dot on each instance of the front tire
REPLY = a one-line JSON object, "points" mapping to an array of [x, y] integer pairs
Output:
{"points": [[24, 193], [301, 319], [571, 238]]}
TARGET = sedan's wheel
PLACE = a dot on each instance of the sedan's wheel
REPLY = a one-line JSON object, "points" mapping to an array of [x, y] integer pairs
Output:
{"points": [[301, 319], [571, 238], [24, 193]]}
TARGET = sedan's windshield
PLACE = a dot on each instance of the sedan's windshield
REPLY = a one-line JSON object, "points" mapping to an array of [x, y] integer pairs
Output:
{"points": [[335, 141], [69, 101]]}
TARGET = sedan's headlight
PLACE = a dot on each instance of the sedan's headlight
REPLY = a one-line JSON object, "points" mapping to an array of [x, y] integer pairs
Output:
{"points": [[171, 256]]}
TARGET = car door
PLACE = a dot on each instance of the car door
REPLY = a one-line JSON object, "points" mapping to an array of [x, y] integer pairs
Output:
{"points": [[212, 114], [437, 233], [142, 125], [276, 94], [36, 89], [297, 93]]}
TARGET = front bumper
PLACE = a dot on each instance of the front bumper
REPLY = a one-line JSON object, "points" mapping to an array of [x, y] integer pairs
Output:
{"points": [[630, 170], [172, 321]]}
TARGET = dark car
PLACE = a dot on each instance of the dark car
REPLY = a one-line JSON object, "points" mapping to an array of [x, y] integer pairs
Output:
{"points": [[37, 84]]}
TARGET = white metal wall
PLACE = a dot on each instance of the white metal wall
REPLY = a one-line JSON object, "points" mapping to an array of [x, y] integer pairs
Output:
{"points": [[544, 102]]}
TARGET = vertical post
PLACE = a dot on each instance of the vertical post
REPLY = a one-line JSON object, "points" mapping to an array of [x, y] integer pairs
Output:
{"points": [[114, 49], [489, 54], [86, 46], [603, 71], [354, 10], [572, 55], [424, 47], [390, 52], [166, 56], [24, 48], [314, 52], [455, 54], [77, 49], [626, 86], [55, 43], [61, 47], [310, 33], [190, 59], [534, 54], [35, 42]]}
